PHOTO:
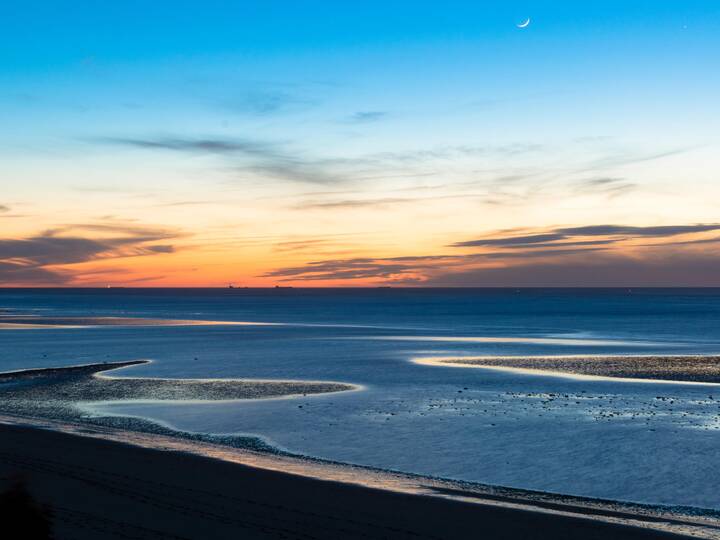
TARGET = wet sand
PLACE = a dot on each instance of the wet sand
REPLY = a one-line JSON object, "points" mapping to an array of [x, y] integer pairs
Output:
{"points": [[64, 393], [102, 489], [697, 369], [38, 322]]}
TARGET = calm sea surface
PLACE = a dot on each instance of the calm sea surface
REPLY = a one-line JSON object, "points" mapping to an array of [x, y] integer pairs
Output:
{"points": [[637, 441]]}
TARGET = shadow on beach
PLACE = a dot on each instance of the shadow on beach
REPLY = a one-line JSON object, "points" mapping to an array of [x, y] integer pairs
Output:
{"points": [[22, 515]]}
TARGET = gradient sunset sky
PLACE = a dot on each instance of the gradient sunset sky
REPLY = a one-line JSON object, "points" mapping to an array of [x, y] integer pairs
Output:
{"points": [[327, 143]]}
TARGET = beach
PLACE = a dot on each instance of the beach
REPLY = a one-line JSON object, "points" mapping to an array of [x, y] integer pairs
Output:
{"points": [[102, 489], [548, 429], [126, 477]]}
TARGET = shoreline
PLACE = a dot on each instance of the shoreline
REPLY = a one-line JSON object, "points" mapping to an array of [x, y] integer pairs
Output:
{"points": [[590, 518], [41, 322], [255, 453]]}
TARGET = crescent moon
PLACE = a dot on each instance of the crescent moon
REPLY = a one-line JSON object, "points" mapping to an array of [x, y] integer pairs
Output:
{"points": [[525, 24]]}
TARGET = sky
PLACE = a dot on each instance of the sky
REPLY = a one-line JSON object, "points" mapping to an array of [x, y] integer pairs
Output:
{"points": [[318, 143]]}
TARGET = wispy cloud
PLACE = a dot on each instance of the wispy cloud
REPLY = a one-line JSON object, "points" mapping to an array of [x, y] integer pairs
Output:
{"points": [[382, 202], [455, 152], [513, 240], [632, 231], [265, 102], [300, 245], [593, 255], [613, 233], [13, 273], [362, 117], [630, 157], [612, 187], [283, 161], [295, 169], [478, 171], [419, 268], [352, 203], [344, 269], [46, 258], [319, 243], [202, 145], [6, 212], [257, 157], [666, 269], [270, 98]]}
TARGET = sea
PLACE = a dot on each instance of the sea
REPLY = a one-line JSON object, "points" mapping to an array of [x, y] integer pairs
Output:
{"points": [[637, 441]]}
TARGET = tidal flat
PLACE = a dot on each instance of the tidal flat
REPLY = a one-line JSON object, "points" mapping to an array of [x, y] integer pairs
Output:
{"points": [[64, 393]]}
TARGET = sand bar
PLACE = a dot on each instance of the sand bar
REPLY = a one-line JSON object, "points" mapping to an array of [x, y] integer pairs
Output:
{"points": [[38, 322], [658, 368], [66, 393]]}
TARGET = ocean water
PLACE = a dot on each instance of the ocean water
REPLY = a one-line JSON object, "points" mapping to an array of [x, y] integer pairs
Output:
{"points": [[636, 441]]}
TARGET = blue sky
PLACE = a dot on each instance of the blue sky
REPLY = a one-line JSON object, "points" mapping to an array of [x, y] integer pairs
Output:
{"points": [[412, 58], [286, 112]]}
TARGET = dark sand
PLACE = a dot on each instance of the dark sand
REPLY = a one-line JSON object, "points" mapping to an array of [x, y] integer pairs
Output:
{"points": [[100, 489], [704, 369]]}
